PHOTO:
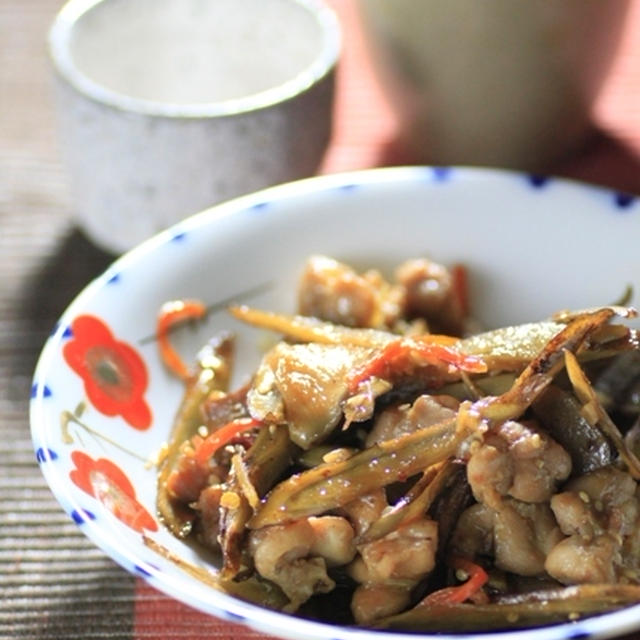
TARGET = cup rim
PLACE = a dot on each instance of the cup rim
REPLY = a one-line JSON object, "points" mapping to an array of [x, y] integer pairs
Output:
{"points": [[59, 38]]}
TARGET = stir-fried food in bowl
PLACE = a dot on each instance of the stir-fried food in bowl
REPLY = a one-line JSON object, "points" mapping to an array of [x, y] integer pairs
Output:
{"points": [[389, 466]]}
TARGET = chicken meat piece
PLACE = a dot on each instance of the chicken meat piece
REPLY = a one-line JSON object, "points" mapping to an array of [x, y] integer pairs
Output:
{"points": [[513, 473], [408, 553], [371, 602], [518, 535], [303, 385], [600, 514], [397, 420], [364, 511], [333, 291], [574, 561], [191, 475], [429, 293], [295, 556], [517, 460], [208, 508], [389, 568]]}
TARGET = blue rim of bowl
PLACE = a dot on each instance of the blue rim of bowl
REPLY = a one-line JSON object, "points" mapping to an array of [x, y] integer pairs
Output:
{"points": [[323, 65], [222, 605]]}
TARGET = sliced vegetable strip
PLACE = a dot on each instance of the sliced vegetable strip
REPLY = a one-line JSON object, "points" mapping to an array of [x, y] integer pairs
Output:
{"points": [[413, 505], [220, 437], [561, 605], [595, 414], [309, 329], [171, 314], [251, 476], [331, 485], [539, 373], [212, 373], [426, 349], [252, 589], [477, 578]]}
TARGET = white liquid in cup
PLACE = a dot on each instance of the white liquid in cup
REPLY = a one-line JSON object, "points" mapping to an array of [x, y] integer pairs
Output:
{"points": [[194, 51], [167, 107]]}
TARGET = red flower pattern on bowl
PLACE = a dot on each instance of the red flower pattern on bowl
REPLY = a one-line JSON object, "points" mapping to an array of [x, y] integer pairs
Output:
{"points": [[106, 482], [115, 376]]}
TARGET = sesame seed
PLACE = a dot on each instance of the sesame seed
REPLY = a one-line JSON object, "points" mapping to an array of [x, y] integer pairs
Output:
{"points": [[230, 500], [462, 575]]}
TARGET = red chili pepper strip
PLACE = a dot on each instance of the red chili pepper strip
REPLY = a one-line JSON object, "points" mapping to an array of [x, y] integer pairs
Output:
{"points": [[379, 365], [441, 354], [436, 351], [171, 314], [454, 595], [220, 437], [460, 279]]}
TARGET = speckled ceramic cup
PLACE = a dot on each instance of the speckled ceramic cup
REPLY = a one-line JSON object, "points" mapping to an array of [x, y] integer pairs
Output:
{"points": [[169, 106]]}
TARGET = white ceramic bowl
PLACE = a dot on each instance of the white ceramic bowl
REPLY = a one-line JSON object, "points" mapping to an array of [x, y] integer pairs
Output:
{"points": [[170, 106], [533, 246]]}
